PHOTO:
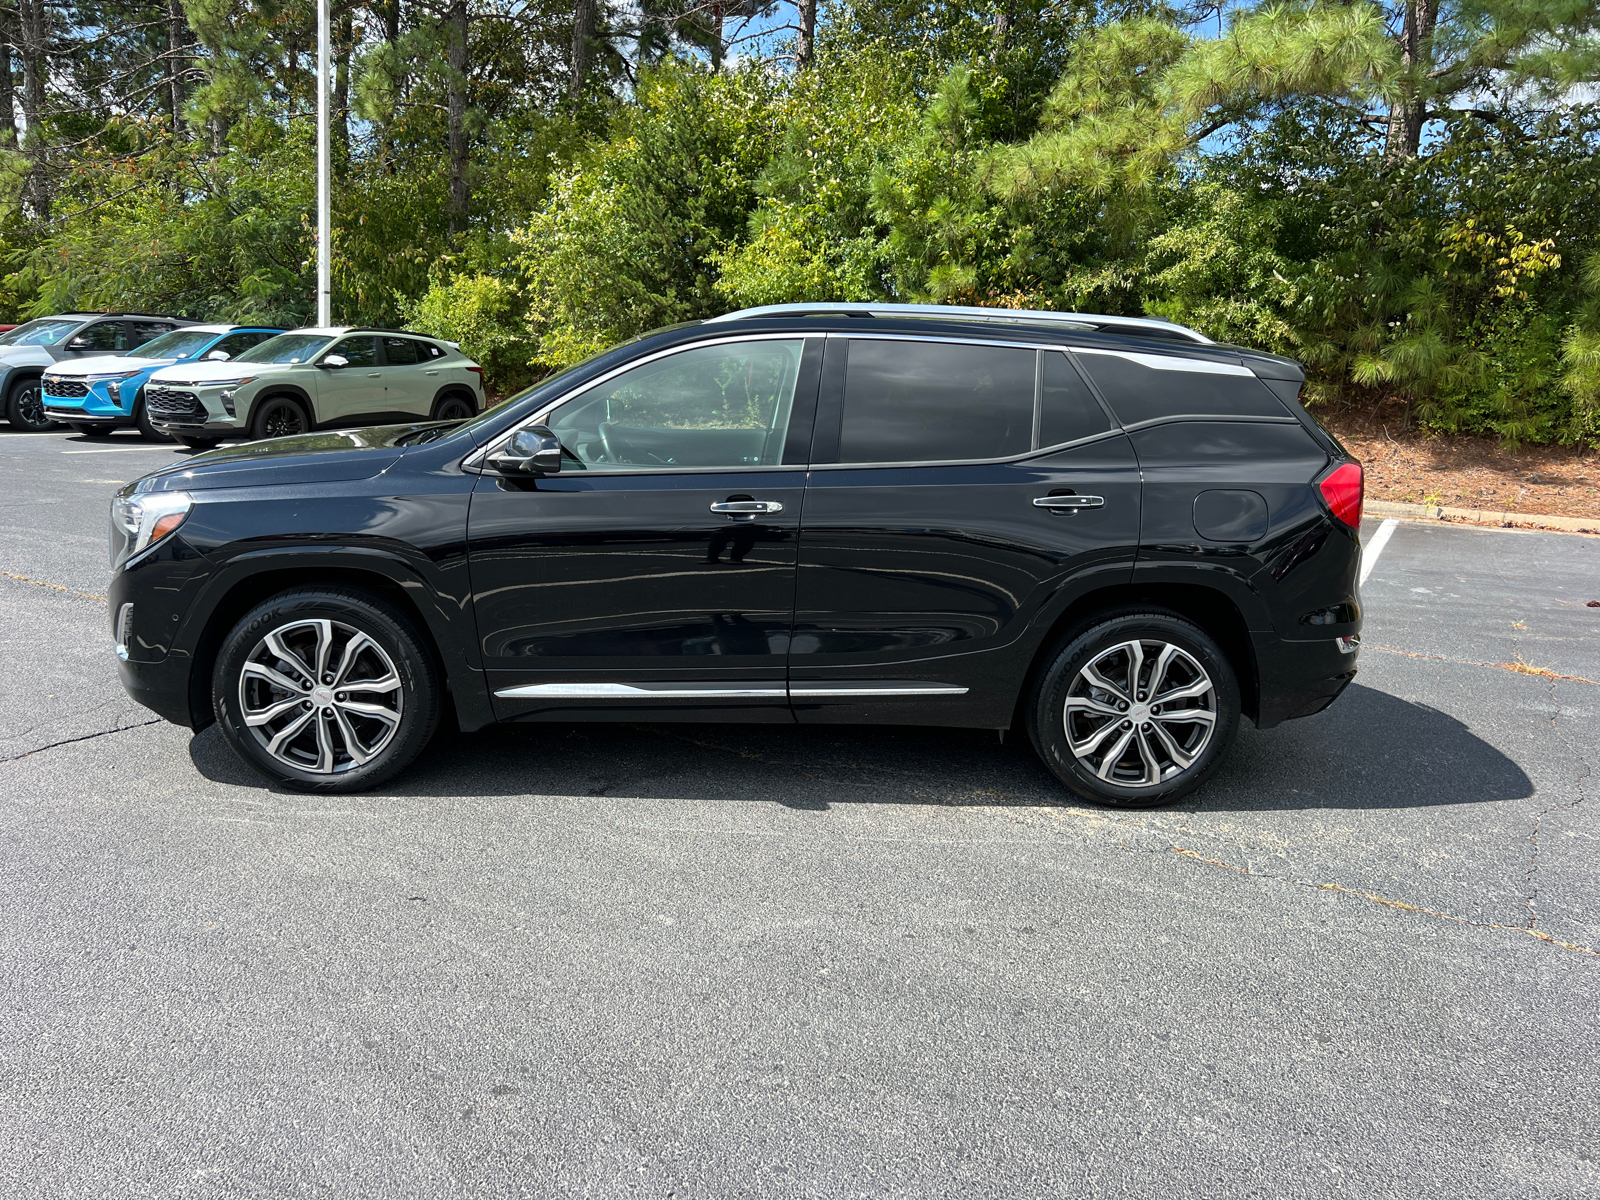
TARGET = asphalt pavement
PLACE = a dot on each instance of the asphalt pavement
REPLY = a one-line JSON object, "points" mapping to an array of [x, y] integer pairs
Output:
{"points": [[680, 961]]}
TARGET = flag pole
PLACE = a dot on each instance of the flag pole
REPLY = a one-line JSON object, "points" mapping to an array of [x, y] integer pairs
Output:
{"points": [[324, 218]]}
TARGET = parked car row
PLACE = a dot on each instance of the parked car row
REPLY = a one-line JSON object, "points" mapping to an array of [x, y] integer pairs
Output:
{"points": [[202, 383]]}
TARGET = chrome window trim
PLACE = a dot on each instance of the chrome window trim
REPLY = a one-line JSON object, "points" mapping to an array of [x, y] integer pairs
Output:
{"points": [[1161, 362], [968, 462], [474, 462]]}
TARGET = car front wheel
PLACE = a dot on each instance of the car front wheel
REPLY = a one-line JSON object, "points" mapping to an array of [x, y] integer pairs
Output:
{"points": [[1136, 709], [326, 690], [279, 416], [25, 407]]}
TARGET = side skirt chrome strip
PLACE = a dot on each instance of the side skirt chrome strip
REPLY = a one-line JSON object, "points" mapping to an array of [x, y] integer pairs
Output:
{"points": [[722, 691]]}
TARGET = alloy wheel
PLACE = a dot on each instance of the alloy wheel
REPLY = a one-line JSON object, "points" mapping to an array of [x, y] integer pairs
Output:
{"points": [[1140, 713], [283, 420], [320, 696]]}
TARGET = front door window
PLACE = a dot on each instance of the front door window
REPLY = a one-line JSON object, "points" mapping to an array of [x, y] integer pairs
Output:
{"points": [[710, 407]]}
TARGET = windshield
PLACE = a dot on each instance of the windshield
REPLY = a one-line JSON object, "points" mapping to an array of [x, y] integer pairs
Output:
{"points": [[553, 384], [286, 348], [46, 331], [179, 344]]}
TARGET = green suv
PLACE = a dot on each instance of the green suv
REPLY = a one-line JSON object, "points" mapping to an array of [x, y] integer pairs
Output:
{"points": [[316, 379]]}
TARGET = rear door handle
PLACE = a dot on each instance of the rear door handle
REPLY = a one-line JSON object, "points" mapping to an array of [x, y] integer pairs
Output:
{"points": [[1069, 503], [746, 508]]}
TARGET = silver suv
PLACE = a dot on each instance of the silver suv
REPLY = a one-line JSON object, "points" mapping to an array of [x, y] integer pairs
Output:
{"points": [[316, 379]]}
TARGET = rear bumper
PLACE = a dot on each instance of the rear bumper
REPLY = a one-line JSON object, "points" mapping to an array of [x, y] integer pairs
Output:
{"points": [[1299, 678]]}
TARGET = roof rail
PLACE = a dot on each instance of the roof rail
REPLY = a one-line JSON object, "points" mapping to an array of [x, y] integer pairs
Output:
{"points": [[1089, 321]]}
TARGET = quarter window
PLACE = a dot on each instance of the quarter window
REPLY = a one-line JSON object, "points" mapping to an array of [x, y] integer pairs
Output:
{"points": [[935, 402], [712, 406], [1138, 392], [1067, 411], [144, 331]]}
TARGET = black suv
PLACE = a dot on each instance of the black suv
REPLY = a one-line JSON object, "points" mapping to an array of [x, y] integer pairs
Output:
{"points": [[1111, 531]]}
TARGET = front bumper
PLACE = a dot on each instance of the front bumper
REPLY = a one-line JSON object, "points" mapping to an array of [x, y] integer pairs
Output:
{"points": [[95, 408]]}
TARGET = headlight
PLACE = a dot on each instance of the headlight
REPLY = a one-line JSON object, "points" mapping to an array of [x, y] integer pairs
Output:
{"points": [[139, 521], [102, 376], [226, 382]]}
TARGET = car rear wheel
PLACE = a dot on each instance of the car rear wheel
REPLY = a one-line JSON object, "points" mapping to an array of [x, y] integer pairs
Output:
{"points": [[326, 690], [452, 408], [1136, 709], [25, 407], [279, 416], [141, 420]]}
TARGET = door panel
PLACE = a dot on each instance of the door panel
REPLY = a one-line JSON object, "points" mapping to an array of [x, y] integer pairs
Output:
{"points": [[933, 574], [632, 579], [407, 389], [346, 394]]}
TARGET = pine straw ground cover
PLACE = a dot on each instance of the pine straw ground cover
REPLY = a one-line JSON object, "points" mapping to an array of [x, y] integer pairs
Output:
{"points": [[1459, 471]]}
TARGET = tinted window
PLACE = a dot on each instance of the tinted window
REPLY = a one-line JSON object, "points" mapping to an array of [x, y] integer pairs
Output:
{"points": [[1067, 411], [103, 336], [713, 406], [286, 348], [402, 352], [236, 344], [935, 402], [144, 331], [431, 351], [361, 351], [1137, 392]]}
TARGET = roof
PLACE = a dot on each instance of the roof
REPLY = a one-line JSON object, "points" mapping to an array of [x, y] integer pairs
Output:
{"points": [[1150, 327]]}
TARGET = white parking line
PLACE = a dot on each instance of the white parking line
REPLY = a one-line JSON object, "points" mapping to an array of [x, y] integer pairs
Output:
{"points": [[1370, 552], [121, 450]]}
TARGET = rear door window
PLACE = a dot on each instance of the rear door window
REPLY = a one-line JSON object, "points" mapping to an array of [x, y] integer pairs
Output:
{"points": [[147, 331], [401, 352], [907, 401]]}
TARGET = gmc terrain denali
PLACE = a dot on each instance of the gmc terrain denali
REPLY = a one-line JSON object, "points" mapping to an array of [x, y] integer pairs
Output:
{"points": [[1109, 530]]}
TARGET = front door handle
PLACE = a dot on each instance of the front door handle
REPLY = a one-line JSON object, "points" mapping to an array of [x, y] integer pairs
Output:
{"points": [[746, 508], [374, 375], [1069, 503]]}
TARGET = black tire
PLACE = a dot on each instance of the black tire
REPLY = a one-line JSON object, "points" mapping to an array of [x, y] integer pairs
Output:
{"points": [[1154, 761], [196, 443], [25, 407], [314, 752], [90, 431], [141, 422], [279, 416], [453, 407]]}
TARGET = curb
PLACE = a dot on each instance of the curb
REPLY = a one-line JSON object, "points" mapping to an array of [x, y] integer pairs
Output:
{"points": [[1473, 516]]}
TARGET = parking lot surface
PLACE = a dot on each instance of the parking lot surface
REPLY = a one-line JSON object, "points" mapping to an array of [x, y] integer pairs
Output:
{"points": [[695, 961]]}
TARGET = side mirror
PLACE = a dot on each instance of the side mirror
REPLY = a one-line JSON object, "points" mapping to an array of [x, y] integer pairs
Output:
{"points": [[334, 361], [218, 356], [78, 343], [531, 451]]}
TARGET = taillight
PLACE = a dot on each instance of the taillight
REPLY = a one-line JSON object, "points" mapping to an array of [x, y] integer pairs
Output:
{"points": [[1342, 489]]}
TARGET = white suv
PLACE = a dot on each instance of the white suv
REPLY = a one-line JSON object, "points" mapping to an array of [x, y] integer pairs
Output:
{"points": [[316, 379]]}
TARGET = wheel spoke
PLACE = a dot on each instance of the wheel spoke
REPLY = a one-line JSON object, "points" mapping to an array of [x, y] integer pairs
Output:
{"points": [[1088, 704], [1158, 673], [262, 671], [324, 647], [376, 711], [1089, 744], [288, 733], [1192, 691], [1186, 716], [1178, 754], [352, 650], [1114, 755], [1152, 768], [275, 644], [1135, 651], [389, 683], [265, 716], [352, 743], [324, 749], [1092, 674]]}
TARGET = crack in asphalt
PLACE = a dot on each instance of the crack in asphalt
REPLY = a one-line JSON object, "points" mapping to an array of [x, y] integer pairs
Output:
{"points": [[1538, 821], [1519, 667], [82, 738], [54, 587]]}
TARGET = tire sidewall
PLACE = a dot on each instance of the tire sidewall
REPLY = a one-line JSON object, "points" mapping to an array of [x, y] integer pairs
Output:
{"points": [[141, 421], [14, 407], [445, 402], [1046, 723], [389, 628]]}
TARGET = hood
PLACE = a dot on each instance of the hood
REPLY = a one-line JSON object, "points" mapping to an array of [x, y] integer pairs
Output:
{"points": [[25, 356], [204, 372], [104, 364], [329, 457]]}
